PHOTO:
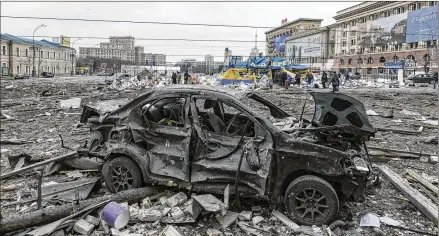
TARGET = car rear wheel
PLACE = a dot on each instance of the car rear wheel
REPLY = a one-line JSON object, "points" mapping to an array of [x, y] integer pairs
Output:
{"points": [[121, 173], [310, 200]]}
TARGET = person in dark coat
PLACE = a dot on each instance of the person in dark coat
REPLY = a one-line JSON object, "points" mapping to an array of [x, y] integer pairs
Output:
{"points": [[186, 77], [297, 78], [324, 79], [435, 80], [335, 82], [174, 78]]}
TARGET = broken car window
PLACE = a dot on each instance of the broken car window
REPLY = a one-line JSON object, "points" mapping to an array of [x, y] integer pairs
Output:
{"points": [[166, 111], [221, 118]]}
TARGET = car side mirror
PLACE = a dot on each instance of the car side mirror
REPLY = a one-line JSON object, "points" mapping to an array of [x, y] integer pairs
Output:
{"points": [[252, 156]]}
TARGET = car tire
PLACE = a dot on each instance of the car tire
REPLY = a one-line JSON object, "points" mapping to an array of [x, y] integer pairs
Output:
{"points": [[121, 173], [311, 200]]}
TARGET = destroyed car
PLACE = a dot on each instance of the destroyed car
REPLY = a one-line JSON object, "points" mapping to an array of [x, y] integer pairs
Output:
{"points": [[202, 139]]}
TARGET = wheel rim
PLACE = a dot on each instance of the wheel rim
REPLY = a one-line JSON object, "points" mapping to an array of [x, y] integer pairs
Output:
{"points": [[310, 204], [122, 178]]}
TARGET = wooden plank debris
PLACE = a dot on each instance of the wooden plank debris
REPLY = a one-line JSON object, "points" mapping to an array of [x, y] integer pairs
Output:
{"points": [[400, 151], [424, 205], [423, 181], [401, 131]]}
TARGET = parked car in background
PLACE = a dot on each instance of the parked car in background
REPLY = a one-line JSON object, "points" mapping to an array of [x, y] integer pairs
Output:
{"points": [[47, 74], [118, 77], [421, 78], [21, 76]]}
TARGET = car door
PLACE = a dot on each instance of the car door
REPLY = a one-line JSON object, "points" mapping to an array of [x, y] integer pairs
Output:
{"points": [[170, 132], [219, 153]]}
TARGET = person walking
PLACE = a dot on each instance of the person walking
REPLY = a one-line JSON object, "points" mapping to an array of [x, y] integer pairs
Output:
{"points": [[335, 83], [186, 77], [297, 78], [174, 78], [435, 80], [324, 79]]}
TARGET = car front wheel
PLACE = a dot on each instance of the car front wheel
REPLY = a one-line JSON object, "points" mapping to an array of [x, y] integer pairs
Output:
{"points": [[311, 200], [121, 173]]}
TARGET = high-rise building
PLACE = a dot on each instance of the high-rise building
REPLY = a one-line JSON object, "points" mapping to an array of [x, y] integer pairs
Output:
{"points": [[120, 47]]}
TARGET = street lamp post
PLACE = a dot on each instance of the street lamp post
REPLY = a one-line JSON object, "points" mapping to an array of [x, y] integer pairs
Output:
{"points": [[73, 57], [33, 49], [429, 55]]}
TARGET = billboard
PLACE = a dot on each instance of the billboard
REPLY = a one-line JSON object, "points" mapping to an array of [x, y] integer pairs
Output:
{"points": [[65, 41], [381, 32], [279, 43], [309, 46], [422, 25]]}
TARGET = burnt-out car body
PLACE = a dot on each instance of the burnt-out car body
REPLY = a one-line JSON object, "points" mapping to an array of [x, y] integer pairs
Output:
{"points": [[204, 140]]}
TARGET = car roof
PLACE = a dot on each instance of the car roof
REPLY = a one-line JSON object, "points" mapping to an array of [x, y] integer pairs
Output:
{"points": [[196, 89]]}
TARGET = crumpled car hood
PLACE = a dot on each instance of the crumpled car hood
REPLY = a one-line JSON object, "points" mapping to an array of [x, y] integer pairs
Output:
{"points": [[335, 109], [102, 108]]}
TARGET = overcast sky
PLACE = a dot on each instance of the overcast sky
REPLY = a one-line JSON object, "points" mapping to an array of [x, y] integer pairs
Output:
{"points": [[255, 14]]}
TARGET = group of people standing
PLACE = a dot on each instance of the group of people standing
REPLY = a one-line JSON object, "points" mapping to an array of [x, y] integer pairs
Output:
{"points": [[333, 79], [177, 75]]}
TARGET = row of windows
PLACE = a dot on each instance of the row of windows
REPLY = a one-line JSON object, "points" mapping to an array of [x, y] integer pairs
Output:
{"points": [[28, 53], [395, 58], [384, 48], [387, 13], [26, 69]]}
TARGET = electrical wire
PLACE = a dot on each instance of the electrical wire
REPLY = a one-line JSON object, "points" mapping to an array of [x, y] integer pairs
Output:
{"points": [[187, 24]]}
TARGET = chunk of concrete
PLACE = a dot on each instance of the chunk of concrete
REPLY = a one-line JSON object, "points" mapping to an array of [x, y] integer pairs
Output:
{"points": [[209, 202], [149, 215], [165, 211], [227, 196], [98, 233], [213, 232], [245, 215], [170, 231], [177, 199], [92, 220], [105, 227], [146, 203], [163, 200], [193, 208], [176, 213], [73, 103], [257, 219], [83, 227], [370, 220], [228, 219]]}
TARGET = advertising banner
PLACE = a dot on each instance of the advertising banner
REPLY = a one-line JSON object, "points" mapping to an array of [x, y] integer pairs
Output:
{"points": [[310, 46], [422, 25], [279, 43], [65, 41], [388, 30]]}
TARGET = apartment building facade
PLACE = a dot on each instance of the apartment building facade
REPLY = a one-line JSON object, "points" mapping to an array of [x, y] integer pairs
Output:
{"points": [[371, 34], [17, 56], [118, 47]]}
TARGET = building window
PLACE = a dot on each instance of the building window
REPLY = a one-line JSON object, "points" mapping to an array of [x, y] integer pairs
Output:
{"points": [[382, 59], [402, 9], [360, 61], [17, 51], [18, 69], [54, 55], [411, 57], [418, 5], [426, 58], [27, 69], [344, 44], [4, 50], [26, 52], [380, 70], [341, 62], [395, 58], [370, 60], [349, 61], [48, 55]]}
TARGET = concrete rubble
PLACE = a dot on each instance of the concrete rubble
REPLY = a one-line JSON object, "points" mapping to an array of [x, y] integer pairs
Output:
{"points": [[33, 125]]}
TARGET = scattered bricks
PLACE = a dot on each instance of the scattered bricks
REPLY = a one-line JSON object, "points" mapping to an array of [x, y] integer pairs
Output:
{"points": [[228, 219], [83, 227], [146, 203], [193, 208], [213, 232], [256, 208], [92, 220], [149, 215], [176, 200], [163, 200], [245, 215], [257, 219], [176, 213]]}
